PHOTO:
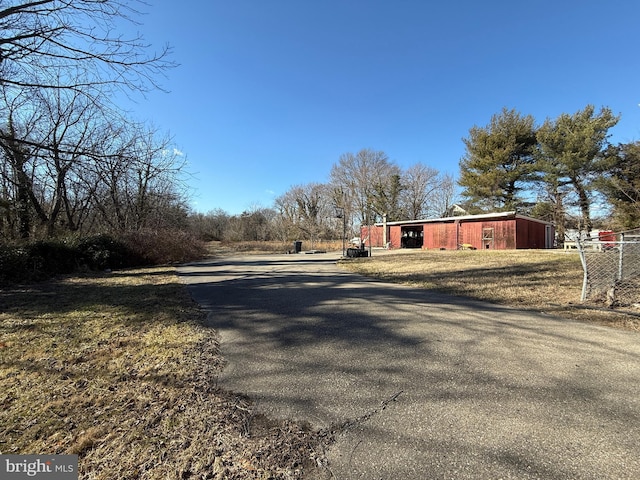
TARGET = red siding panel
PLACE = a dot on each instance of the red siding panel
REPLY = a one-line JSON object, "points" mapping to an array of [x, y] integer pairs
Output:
{"points": [[531, 234], [395, 235], [372, 235], [471, 234], [488, 235], [440, 235], [504, 234]]}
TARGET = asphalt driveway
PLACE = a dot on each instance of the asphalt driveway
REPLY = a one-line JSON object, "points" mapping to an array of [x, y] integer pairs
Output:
{"points": [[431, 386]]}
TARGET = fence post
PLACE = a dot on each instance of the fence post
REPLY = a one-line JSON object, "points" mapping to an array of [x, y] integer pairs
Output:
{"points": [[585, 275], [621, 258]]}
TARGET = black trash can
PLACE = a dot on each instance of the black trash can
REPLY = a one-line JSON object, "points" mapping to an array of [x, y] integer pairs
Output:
{"points": [[297, 246]]}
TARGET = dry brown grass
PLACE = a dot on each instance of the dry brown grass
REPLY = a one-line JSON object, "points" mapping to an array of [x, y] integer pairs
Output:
{"points": [[541, 280], [118, 369], [253, 248]]}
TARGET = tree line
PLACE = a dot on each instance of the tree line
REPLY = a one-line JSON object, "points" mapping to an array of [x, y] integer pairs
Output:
{"points": [[72, 161], [363, 187], [558, 171]]}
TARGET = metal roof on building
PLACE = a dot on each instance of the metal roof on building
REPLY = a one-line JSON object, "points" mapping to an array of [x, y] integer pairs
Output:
{"points": [[482, 216]]}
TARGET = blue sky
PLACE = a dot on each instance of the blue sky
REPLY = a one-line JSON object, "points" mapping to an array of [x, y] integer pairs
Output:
{"points": [[270, 93]]}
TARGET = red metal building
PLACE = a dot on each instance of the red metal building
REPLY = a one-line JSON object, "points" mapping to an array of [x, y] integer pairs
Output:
{"points": [[492, 231]]}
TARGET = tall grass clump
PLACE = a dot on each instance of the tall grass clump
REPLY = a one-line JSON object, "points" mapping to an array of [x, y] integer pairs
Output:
{"points": [[161, 247]]}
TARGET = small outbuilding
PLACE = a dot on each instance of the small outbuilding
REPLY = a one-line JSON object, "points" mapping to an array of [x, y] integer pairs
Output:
{"points": [[490, 231]]}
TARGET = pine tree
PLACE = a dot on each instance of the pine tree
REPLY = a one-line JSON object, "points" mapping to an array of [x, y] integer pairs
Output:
{"points": [[499, 161]]}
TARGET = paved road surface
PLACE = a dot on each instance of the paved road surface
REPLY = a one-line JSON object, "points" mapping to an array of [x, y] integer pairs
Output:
{"points": [[469, 390]]}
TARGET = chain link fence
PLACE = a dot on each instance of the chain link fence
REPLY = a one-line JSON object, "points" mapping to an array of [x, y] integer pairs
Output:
{"points": [[611, 269]]}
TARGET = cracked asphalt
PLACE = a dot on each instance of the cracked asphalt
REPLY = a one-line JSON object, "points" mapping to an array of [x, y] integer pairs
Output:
{"points": [[431, 386]]}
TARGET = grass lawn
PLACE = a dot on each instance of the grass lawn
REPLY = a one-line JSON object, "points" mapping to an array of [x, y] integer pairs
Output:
{"points": [[118, 369], [543, 280]]}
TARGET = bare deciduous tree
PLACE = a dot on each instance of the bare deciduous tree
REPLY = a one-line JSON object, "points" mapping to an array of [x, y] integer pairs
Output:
{"points": [[363, 177], [307, 211], [444, 196], [78, 45], [69, 162], [137, 178], [420, 186], [20, 164]]}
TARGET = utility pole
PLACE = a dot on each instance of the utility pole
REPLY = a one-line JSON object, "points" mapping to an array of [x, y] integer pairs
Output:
{"points": [[340, 214]]}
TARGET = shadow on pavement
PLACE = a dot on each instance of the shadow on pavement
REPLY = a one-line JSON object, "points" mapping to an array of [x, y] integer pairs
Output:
{"points": [[480, 390]]}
